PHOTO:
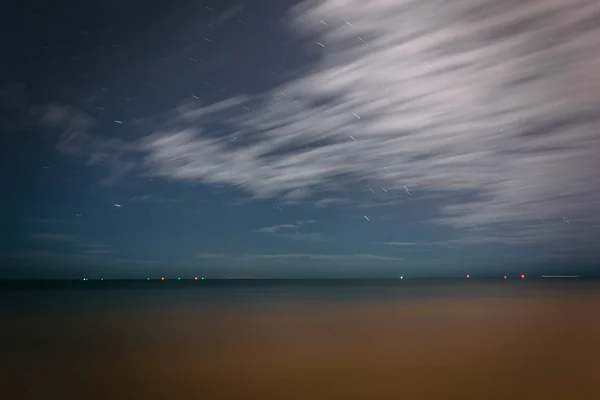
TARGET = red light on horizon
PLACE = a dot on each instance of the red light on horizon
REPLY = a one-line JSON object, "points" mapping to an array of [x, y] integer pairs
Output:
{"points": [[195, 278], [504, 276], [162, 278], [522, 276], [468, 275]]}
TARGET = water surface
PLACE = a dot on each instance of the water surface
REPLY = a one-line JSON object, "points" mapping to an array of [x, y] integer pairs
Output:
{"points": [[301, 340]]}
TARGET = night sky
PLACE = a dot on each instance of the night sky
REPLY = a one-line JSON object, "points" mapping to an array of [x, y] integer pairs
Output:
{"points": [[339, 138]]}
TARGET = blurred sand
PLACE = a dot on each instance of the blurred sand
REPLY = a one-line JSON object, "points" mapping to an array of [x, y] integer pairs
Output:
{"points": [[484, 348]]}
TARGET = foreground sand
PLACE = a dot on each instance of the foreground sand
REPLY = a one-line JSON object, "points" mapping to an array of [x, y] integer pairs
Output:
{"points": [[483, 348]]}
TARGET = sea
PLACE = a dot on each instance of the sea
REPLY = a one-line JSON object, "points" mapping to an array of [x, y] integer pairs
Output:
{"points": [[300, 339]]}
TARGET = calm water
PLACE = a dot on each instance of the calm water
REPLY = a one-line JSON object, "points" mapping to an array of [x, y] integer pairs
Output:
{"points": [[301, 340]]}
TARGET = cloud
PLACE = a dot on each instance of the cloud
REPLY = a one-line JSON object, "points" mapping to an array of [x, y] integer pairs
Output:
{"points": [[309, 237], [212, 255], [116, 155], [227, 15], [284, 231], [495, 99], [333, 201], [280, 227], [154, 199], [299, 256], [302, 265], [141, 199], [410, 244], [276, 228]]}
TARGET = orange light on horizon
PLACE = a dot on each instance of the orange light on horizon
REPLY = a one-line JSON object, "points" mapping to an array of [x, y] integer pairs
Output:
{"points": [[162, 278], [504, 276]]}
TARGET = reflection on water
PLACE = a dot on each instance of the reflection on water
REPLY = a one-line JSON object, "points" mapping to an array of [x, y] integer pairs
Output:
{"points": [[302, 342]]}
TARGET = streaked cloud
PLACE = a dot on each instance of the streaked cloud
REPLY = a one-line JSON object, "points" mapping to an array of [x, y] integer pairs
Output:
{"points": [[305, 222], [300, 256], [333, 201], [495, 99], [305, 236], [293, 232], [154, 199], [226, 16], [411, 244], [280, 227], [302, 265], [276, 228]]}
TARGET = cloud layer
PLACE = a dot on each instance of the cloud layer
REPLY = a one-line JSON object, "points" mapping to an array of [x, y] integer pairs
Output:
{"points": [[495, 99]]}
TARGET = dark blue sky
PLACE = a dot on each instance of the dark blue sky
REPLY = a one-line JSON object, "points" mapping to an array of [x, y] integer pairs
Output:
{"points": [[299, 139]]}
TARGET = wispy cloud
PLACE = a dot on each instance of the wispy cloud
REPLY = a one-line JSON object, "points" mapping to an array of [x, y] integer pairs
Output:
{"points": [[299, 256], [332, 201], [293, 232], [227, 15], [276, 228], [305, 222], [280, 227], [305, 236], [497, 99], [302, 264], [213, 255], [411, 244], [154, 199], [115, 155]]}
